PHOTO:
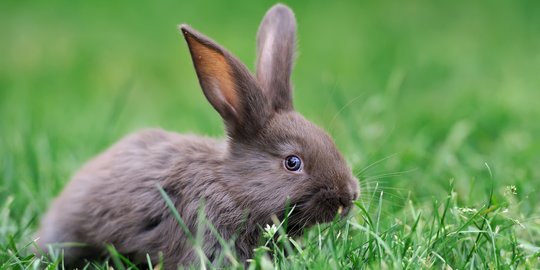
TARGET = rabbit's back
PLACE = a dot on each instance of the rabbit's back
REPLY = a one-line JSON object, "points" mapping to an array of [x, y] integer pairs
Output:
{"points": [[114, 198]]}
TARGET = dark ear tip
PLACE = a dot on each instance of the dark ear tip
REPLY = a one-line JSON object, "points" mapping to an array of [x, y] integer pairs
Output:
{"points": [[185, 29]]}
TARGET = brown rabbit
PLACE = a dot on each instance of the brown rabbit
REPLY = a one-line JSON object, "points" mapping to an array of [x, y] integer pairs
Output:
{"points": [[272, 158]]}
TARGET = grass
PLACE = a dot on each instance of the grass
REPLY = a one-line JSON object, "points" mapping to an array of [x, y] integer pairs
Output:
{"points": [[434, 104]]}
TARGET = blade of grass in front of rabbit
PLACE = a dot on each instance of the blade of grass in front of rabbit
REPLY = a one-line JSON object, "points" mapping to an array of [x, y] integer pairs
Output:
{"points": [[204, 223], [282, 234], [199, 237], [225, 245], [116, 257]]}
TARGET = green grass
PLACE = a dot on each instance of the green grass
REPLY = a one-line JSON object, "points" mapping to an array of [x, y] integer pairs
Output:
{"points": [[434, 104]]}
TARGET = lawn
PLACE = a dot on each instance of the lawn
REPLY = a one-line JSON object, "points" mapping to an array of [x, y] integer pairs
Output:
{"points": [[434, 104]]}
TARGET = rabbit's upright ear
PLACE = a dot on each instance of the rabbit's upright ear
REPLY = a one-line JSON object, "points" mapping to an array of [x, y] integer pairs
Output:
{"points": [[228, 85], [276, 45]]}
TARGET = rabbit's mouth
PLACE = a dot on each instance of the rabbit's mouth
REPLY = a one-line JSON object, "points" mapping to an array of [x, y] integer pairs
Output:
{"points": [[324, 206], [332, 203]]}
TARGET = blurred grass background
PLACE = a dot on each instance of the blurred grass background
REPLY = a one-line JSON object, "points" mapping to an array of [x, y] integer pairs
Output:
{"points": [[434, 90]]}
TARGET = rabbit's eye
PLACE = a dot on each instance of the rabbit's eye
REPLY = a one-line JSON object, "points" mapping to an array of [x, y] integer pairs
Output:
{"points": [[293, 163]]}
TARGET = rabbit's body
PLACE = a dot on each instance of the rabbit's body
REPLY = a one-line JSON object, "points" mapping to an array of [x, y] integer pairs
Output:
{"points": [[114, 198], [272, 159]]}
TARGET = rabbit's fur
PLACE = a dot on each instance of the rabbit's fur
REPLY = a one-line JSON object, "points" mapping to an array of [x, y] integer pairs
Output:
{"points": [[241, 181]]}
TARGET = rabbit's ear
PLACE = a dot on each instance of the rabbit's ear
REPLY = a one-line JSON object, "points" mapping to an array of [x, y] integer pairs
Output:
{"points": [[227, 84], [276, 44]]}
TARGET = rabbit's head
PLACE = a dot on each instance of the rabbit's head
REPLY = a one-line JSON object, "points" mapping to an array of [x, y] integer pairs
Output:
{"points": [[275, 157]]}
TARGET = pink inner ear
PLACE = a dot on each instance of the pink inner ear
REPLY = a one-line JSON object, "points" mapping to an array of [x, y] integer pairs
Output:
{"points": [[215, 70], [217, 93]]}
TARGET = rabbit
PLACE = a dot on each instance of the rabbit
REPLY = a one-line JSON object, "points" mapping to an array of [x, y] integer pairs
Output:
{"points": [[272, 158]]}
